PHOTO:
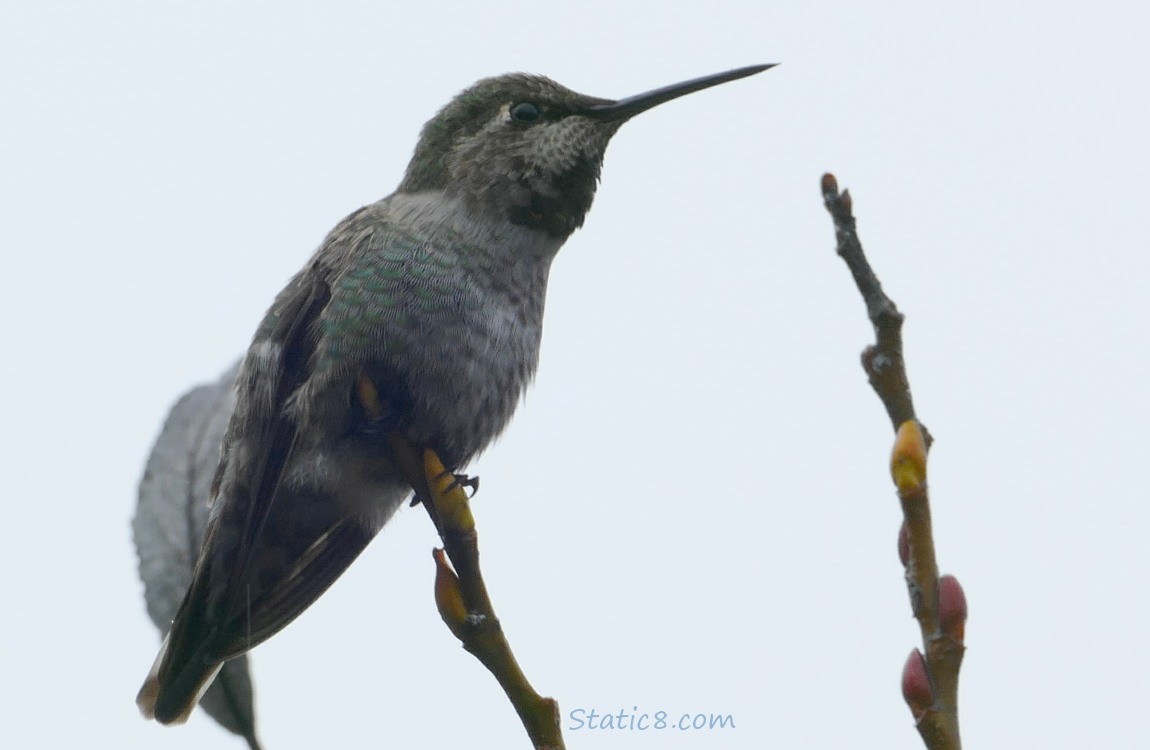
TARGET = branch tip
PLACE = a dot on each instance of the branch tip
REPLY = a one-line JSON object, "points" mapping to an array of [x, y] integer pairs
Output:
{"points": [[830, 185]]}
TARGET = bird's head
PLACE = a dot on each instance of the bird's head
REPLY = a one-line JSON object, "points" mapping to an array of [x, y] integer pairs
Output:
{"points": [[524, 149]]}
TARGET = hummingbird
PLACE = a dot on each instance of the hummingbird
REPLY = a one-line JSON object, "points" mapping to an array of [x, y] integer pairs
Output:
{"points": [[435, 294]]}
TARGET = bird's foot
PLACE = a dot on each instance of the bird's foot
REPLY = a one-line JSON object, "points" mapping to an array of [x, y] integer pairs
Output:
{"points": [[471, 483], [461, 480], [379, 416]]}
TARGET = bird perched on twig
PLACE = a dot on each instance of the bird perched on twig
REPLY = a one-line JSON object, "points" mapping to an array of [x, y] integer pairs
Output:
{"points": [[435, 294]]}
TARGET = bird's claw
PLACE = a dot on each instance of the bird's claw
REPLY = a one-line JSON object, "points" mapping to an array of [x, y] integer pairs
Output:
{"points": [[459, 480], [472, 483]]}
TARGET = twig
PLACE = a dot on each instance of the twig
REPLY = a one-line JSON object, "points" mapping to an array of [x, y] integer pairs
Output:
{"points": [[882, 362], [930, 684], [461, 594]]}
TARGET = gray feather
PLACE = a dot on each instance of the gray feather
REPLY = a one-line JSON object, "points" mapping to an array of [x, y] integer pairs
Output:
{"points": [[171, 516]]}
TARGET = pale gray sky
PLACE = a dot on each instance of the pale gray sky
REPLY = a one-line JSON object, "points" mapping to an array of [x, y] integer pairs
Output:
{"points": [[692, 512]]}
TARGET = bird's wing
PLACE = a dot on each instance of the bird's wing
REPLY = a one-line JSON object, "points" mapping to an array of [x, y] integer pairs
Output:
{"points": [[283, 560], [258, 569]]}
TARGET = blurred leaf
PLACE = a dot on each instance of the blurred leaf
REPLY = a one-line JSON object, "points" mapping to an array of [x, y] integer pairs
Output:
{"points": [[171, 517]]}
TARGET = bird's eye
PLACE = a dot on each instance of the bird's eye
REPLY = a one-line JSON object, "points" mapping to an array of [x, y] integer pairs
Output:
{"points": [[525, 112]]}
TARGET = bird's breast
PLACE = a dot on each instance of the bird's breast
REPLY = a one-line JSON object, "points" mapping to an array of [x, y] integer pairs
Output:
{"points": [[470, 376], [444, 312]]}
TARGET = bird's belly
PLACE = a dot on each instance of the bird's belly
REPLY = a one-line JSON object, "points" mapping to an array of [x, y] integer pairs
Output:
{"points": [[452, 399], [464, 395]]}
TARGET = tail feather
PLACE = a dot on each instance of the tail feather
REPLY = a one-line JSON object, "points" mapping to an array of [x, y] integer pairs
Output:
{"points": [[170, 698]]}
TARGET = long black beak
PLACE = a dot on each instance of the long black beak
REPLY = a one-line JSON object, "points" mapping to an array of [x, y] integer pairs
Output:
{"points": [[625, 109]]}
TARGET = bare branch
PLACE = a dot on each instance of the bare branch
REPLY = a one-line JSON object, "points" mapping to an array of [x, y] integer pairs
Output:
{"points": [[883, 360], [930, 682]]}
